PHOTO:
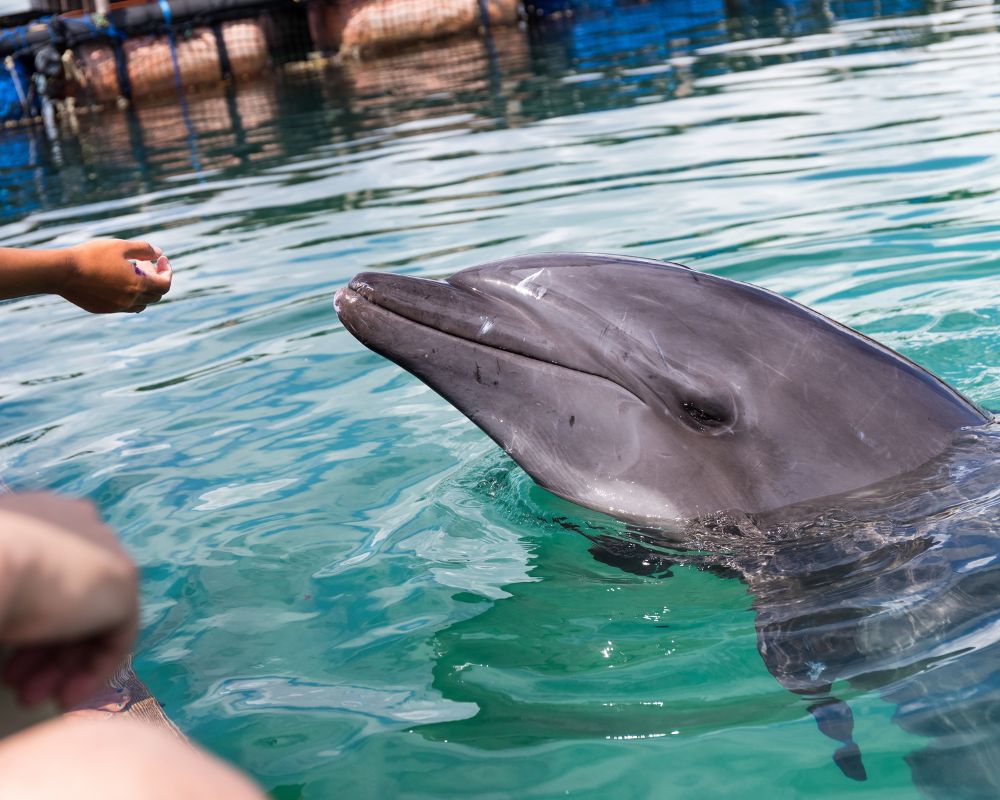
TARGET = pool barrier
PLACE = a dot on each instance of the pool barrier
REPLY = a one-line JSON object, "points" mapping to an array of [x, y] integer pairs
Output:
{"points": [[139, 51], [131, 54]]}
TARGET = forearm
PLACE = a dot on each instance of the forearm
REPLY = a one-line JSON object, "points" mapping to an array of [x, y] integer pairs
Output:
{"points": [[27, 272], [100, 276]]}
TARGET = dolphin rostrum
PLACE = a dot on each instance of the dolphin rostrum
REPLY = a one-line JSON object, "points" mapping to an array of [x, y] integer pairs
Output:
{"points": [[719, 417]]}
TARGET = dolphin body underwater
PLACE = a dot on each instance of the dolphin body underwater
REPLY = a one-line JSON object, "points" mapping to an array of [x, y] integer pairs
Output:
{"points": [[735, 430]]}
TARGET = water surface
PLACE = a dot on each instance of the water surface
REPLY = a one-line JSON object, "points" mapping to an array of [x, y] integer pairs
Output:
{"points": [[348, 590]]}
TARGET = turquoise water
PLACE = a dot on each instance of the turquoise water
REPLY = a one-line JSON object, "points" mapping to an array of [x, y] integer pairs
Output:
{"points": [[348, 590]]}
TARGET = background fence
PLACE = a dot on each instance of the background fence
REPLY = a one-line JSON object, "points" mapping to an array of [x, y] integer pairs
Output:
{"points": [[143, 51]]}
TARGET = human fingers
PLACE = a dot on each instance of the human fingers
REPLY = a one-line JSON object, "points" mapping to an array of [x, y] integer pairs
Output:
{"points": [[157, 276], [135, 309], [151, 265], [143, 251], [153, 285], [151, 268], [154, 280]]}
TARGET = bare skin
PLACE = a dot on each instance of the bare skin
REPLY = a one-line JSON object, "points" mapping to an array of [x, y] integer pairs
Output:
{"points": [[75, 759], [102, 276], [68, 616], [68, 599]]}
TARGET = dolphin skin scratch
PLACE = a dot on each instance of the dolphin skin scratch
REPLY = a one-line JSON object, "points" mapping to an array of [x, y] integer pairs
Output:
{"points": [[718, 417]]}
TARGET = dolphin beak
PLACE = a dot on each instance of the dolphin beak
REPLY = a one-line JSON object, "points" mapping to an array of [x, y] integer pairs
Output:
{"points": [[434, 304], [459, 311]]}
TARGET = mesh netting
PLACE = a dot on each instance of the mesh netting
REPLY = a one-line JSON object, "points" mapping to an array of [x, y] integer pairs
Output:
{"points": [[140, 52]]}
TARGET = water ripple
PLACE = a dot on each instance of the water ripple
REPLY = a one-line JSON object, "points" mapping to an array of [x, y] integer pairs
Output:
{"points": [[331, 555]]}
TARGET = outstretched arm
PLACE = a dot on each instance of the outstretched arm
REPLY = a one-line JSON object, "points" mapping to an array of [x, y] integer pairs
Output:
{"points": [[100, 276]]}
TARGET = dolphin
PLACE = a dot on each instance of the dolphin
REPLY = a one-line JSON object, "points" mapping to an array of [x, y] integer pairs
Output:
{"points": [[735, 429], [656, 393]]}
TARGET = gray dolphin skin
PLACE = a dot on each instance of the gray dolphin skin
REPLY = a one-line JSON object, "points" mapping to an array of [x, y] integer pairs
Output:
{"points": [[853, 491], [656, 393]]}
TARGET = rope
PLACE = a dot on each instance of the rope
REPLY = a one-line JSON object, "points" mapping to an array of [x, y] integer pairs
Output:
{"points": [[220, 45], [182, 101], [484, 15], [168, 21]]}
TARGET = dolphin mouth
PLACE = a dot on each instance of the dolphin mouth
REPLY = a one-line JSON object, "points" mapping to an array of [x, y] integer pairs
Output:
{"points": [[364, 297], [432, 304], [369, 305], [459, 312], [468, 315]]}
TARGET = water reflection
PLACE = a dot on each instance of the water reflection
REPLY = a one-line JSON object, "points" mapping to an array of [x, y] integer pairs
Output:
{"points": [[891, 589], [609, 57], [857, 182]]}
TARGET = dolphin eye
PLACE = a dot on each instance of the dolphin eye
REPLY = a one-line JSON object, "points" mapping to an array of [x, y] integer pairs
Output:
{"points": [[705, 416]]}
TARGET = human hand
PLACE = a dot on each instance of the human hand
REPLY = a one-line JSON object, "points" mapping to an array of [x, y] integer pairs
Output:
{"points": [[68, 599], [108, 275]]}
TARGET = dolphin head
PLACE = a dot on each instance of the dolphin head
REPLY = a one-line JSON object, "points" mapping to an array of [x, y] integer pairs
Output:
{"points": [[656, 393]]}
